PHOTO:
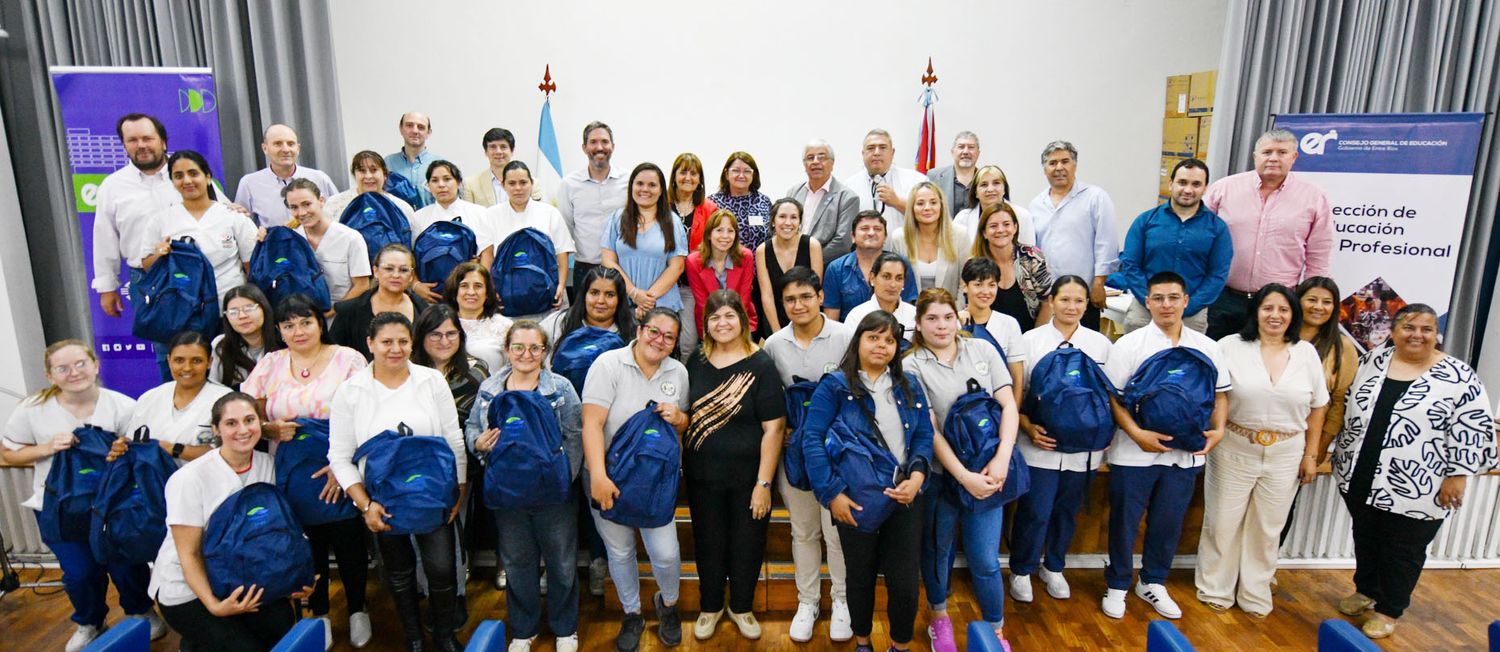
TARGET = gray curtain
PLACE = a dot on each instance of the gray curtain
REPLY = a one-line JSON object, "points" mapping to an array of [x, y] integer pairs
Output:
{"points": [[1370, 56], [272, 62]]}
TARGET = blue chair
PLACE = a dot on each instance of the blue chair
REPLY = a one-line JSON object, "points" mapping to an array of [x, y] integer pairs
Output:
{"points": [[1336, 635], [1163, 636], [488, 637], [1495, 636], [130, 635], [306, 636], [982, 637]]}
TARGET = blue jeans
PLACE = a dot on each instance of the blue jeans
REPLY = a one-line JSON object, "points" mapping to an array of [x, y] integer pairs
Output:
{"points": [[662, 548], [86, 582], [159, 348], [1162, 493], [1045, 519], [529, 538], [981, 534]]}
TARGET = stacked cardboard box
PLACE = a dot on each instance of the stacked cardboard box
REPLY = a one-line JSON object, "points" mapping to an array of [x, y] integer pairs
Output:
{"points": [[1188, 118]]}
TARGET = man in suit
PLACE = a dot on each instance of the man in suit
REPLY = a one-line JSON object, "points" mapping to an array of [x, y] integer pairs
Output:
{"points": [[828, 207], [954, 180], [486, 188]]}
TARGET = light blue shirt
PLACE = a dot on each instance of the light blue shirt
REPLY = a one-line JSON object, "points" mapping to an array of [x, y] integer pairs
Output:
{"points": [[1078, 234], [415, 171], [644, 262], [260, 193]]}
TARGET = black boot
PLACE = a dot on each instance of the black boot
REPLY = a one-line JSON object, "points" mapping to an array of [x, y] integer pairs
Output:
{"points": [[446, 642]]}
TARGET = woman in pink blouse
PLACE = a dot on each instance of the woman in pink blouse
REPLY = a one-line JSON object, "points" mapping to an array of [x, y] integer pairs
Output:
{"points": [[298, 382]]}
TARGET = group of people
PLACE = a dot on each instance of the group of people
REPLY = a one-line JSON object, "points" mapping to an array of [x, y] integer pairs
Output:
{"points": [[896, 294]]}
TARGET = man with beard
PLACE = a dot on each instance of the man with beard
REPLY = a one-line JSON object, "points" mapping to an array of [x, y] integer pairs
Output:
{"points": [[128, 205], [954, 180], [588, 196], [1182, 236], [260, 191]]}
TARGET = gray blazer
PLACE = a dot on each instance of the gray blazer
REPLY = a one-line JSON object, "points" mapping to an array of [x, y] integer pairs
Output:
{"points": [[943, 178], [832, 219]]}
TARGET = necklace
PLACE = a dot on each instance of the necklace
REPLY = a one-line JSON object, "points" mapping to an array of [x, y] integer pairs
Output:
{"points": [[307, 370]]}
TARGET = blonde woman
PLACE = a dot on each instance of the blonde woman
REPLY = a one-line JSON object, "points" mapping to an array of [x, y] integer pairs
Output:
{"points": [[927, 239], [989, 190]]}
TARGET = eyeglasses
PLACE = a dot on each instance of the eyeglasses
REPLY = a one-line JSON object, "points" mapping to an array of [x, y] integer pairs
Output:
{"points": [[522, 349], [734, 172], [391, 269], [1167, 298], [242, 311], [810, 158], [58, 370], [439, 336], [654, 333]]}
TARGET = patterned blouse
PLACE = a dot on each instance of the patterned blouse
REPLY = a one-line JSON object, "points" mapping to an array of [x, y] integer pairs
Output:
{"points": [[287, 396], [1441, 427], [1033, 275], [753, 211]]}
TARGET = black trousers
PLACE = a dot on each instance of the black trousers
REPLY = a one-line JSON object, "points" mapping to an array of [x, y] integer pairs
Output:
{"points": [[728, 543], [1227, 314], [1389, 551], [256, 631], [895, 551], [348, 539], [1090, 318], [437, 549]]}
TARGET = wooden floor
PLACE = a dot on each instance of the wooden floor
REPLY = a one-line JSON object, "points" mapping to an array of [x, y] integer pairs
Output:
{"points": [[1450, 611]]}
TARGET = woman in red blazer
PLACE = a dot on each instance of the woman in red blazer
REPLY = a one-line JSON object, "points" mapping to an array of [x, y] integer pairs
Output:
{"points": [[712, 267]]}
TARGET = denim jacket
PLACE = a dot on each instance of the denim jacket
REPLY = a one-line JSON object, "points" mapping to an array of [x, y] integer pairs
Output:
{"points": [[556, 390], [832, 400]]}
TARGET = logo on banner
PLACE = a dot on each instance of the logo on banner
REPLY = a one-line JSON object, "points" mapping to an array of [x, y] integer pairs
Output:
{"points": [[86, 191], [196, 100], [1314, 142]]}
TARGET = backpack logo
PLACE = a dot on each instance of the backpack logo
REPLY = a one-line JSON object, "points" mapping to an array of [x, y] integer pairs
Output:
{"points": [[182, 276], [652, 432], [282, 261], [258, 513], [86, 471], [413, 477], [984, 422], [303, 435], [520, 258], [591, 347], [510, 420]]}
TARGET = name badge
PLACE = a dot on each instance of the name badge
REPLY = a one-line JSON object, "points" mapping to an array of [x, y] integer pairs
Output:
{"points": [[757, 220], [669, 389], [830, 367], [982, 367]]}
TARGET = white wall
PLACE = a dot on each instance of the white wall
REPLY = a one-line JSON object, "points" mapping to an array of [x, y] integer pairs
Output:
{"points": [[21, 340], [671, 77]]}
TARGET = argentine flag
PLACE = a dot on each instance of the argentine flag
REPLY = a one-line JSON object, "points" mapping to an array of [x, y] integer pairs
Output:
{"points": [[548, 173]]}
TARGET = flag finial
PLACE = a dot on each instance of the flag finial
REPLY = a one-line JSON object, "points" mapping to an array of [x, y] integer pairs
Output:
{"points": [[929, 79], [548, 88]]}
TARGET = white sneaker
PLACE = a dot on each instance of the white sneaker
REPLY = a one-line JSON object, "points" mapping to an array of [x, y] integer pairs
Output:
{"points": [[1020, 588], [1057, 585], [520, 645], [327, 633], [158, 626], [568, 644], [1113, 604], [1156, 596], [81, 638], [359, 629], [801, 630], [840, 627], [598, 570]]}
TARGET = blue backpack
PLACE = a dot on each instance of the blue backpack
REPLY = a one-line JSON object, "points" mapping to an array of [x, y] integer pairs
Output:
{"points": [[71, 484], [378, 221], [441, 247], [973, 430], [283, 264], [867, 468], [414, 478], [528, 466], [253, 538], [177, 294], [577, 351], [645, 462], [982, 333], [130, 510], [793, 461], [1069, 396], [403, 189], [297, 460], [525, 273], [1172, 393]]}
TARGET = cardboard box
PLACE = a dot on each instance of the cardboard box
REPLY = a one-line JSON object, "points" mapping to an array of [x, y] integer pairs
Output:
{"points": [[1179, 88], [1201, 92], [1179, 137], [1204, 125], [1164, 186]]}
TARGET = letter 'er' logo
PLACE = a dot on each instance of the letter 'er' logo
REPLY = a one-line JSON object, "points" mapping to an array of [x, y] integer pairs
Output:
{"points": [[1314, 142]]}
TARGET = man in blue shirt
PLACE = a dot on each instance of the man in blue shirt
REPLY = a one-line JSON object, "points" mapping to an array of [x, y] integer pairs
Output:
{"points": [[1075, 225], [1181, 236], [846, 280], [412, 161]]}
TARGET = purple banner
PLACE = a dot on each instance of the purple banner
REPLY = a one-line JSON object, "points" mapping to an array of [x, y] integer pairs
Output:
{"points": [[91, 101]]}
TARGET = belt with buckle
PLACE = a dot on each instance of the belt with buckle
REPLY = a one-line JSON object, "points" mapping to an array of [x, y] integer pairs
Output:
{"points": [[1262, 437]]}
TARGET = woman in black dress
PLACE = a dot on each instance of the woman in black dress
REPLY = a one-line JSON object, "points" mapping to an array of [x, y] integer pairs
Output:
{"points": [[788, 247]]}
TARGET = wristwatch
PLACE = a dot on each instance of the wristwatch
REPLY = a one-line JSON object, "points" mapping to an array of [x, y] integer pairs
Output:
{"points": [[763, 483], [177, 451]]}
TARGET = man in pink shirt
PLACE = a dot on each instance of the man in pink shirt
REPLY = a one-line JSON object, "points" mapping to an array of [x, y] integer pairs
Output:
{"points": [[1281, 226]]}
